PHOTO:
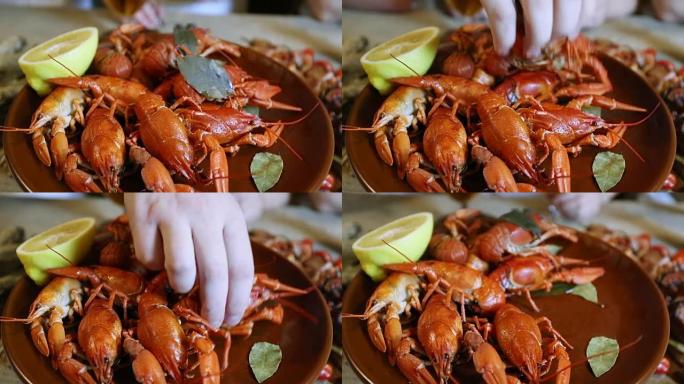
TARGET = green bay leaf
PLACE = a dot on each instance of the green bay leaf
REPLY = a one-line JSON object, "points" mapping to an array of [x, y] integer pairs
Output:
{"points": [[586, 291], [264, 359], [556, 289], [608, 168], [602, 353], [266, 169], [185, 38], [208, 77], [522, 218], [590, 109]]}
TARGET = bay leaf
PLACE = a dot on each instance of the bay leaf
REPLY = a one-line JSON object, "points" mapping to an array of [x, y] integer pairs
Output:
{"points": [[556, 289], [185, 38], [264, 359], [522, 218], [608, 168], [266, 169], [590, 109], [206, 76], [585, 291], [602, 353]]}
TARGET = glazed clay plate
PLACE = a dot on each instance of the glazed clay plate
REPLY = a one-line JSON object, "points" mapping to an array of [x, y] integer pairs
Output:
{"points": [[313, 138], [654, 140], [305, 344], [633, 307]]}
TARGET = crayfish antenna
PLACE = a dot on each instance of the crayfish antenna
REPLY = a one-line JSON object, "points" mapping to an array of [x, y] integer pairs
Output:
{"points": [[279, 138], [355, 128], [4, 128], [7, 319], [642, 120], [296, 308], [586, 359], [405, 65], [60, 255], [293, 122], [361, 316], [299, 120], [64, 66], [398, 251]]}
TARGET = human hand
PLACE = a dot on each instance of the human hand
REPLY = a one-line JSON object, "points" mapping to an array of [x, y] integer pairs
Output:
{"points": [[580, 206], [149, 15], [199, 237], [326, 10], [669, 10], [326, 202], [255, 204], [547, 19]]}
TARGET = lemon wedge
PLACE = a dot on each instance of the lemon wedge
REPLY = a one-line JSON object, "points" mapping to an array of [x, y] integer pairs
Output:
{"points": [[410, 236], [416, 50], [70, 243], [74, 49]]}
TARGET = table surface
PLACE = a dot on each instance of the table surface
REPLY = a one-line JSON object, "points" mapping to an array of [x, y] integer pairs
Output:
{"points": [[638, 31], [297, 32], [362, 213], [37, 212]]}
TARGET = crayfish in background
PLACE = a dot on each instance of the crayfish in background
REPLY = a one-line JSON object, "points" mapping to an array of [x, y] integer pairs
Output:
{"points": [[92, 321], [139, 114], [432, 315], [503, 115]]}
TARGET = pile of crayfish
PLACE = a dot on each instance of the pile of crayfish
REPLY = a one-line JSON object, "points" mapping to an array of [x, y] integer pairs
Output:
{"points": [[137, 113], [501, 116], [94, 320], [429, 316]]}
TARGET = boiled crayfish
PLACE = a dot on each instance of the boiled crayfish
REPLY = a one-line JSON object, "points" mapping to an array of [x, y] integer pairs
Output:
{"points": [[501, 114], [429, 316]]}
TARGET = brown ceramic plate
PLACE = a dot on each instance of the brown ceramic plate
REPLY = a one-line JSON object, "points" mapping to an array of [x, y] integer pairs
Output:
{"points": [[305, 344], [654, 139], [313, 138], [633, 307]]}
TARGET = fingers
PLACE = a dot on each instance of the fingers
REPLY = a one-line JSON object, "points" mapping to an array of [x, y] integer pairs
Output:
{"points": [[566, 18], [251, 204], [212, 266], [180, 255], [501, 15], [241, 270], [538, 25], [144, 229]]}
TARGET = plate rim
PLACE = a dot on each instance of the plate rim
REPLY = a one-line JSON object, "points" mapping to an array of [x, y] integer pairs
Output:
{"points": [[327, 320], [671, 148], [663, 309], [313, 187]]}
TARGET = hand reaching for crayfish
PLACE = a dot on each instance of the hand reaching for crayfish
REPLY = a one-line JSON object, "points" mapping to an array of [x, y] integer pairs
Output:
{"points": [[547, 19], [201, 238], [580, 207]]}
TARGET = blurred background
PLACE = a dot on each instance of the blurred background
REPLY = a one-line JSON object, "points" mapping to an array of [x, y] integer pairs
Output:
{"points": [[150, 12]]}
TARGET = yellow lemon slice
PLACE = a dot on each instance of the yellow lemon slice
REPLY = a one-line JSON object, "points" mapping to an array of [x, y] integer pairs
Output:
{"points": [[416, 49], [75, 49], [71, 241], [410, 236]]}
